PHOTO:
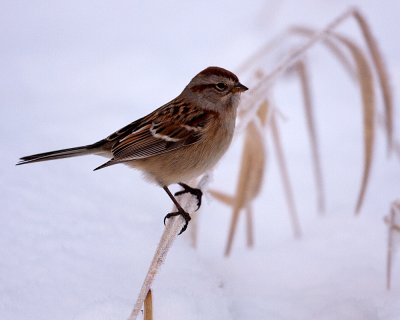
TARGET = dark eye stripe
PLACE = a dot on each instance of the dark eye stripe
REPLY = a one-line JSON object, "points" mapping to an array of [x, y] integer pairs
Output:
{"points": [[220, 86], [201, 87]]}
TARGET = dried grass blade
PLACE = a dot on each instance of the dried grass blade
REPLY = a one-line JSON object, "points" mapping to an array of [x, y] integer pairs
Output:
{"points": [[285, 176], [240, 196], [223, 197], [312, 132], [232, 229], [367, 92], [250, 175], [330, 45], [382, 73], [267, 81], [249, 226], [368, 98]]}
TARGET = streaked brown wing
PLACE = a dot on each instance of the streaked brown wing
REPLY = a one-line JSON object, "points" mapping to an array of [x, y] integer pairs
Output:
{"points": [[157, 133], [150, 141]]}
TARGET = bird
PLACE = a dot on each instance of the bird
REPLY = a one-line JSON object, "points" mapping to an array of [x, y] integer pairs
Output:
{"points": [[177, 142]]}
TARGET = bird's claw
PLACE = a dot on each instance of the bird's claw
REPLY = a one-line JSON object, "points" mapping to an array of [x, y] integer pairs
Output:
{"points": [[185, 216], [194, 191]]}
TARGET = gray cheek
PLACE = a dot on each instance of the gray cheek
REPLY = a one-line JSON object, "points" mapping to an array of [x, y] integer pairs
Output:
{"points": [[235, 98]]}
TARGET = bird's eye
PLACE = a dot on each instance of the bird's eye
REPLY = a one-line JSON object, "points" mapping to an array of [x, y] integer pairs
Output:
{"points": [[220, 86]]}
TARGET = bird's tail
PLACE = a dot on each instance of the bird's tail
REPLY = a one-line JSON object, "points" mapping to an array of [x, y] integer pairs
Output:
{"points": [[60, 154]]}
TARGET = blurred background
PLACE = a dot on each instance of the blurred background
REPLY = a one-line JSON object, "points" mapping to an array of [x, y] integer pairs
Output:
{"points": [[76, 244]]}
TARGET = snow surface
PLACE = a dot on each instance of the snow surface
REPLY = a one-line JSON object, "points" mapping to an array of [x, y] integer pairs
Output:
{"points": [[76, 244]]}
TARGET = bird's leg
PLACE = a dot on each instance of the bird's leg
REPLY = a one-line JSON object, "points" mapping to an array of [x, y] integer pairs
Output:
{"points": [[187, 189], [180, 211]]}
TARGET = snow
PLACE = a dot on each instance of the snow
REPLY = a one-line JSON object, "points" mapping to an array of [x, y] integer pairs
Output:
{"points": [[76, 244]]}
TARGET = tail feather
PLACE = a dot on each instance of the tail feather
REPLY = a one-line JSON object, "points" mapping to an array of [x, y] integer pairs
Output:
{"points": [[107, 164], [58, 154]]}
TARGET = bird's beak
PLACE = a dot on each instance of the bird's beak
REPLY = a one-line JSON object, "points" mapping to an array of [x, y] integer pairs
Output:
{"points": [[239, 88]]}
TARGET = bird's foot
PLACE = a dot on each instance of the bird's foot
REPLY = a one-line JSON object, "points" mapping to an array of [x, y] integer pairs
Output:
{"points": [[182, 213], [194, 191]]}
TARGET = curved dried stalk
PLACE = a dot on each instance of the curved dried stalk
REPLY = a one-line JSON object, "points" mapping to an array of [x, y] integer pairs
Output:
{"points": [[330, 44], [382, 75], [379, 65], [367, 92], [250, 179], [396, 143], [266, 82], [222, 197], [249, 226], [173, 227], [285, 176], [302, 71], [365, 77]]}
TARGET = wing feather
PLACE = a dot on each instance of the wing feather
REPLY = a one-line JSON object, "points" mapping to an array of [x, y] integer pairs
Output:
{"points": [[168, 128]]}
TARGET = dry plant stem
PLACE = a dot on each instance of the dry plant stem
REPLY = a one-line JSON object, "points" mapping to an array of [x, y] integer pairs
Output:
{"points": [[224, 198], [312, 132], [392, 228], [324, 35], [249, 226], [266, 82], [382, 75], [367, 93], [232, 229], [148, 306], [330, 44], [173, 227], [396, 143], [365, 79], [380, 70], [254, 59], [250, 176], [285, 176], [249, 182]]}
